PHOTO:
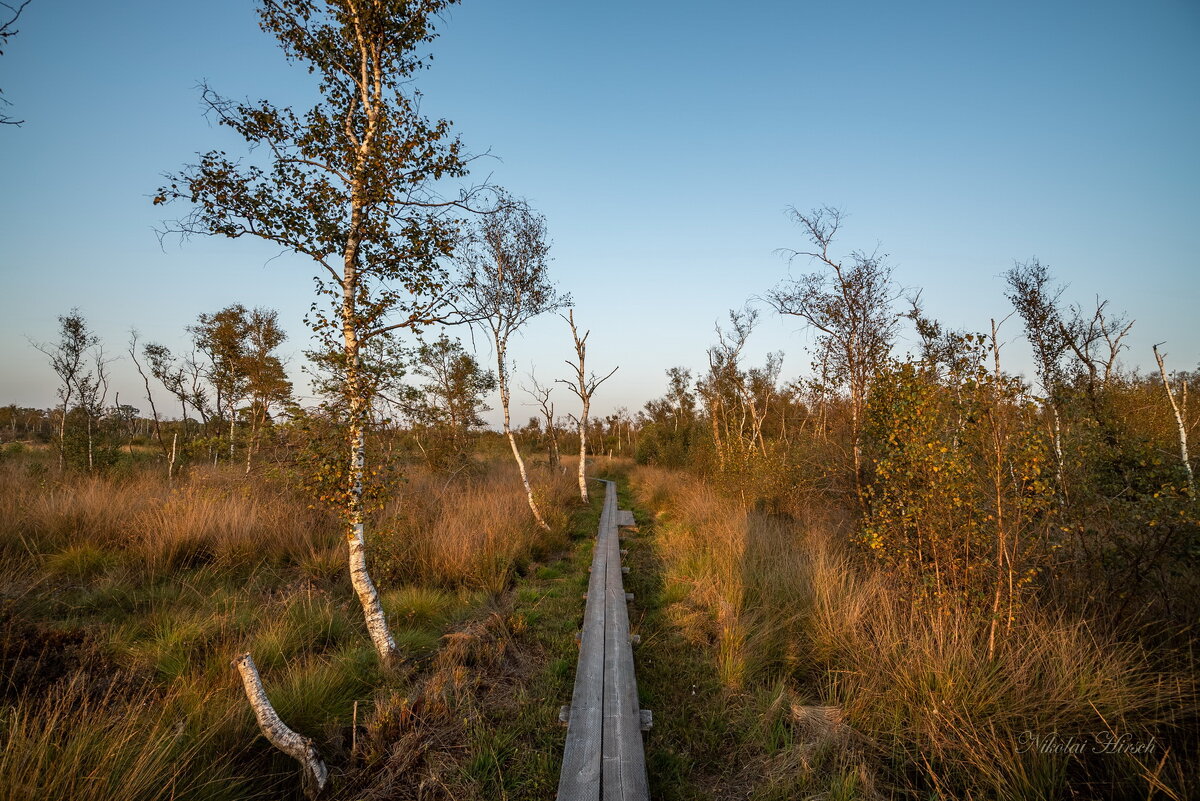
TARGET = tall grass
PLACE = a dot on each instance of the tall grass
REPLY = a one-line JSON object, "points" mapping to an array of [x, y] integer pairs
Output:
{"points": [[70, 743], [925, 707], [163, 583], [473, 531], [213, 516]]}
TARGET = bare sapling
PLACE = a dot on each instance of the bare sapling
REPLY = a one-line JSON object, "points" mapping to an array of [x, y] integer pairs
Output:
{"points": [[542, 396], [584, 386], [158, 435], [1179, 421], [93, 393], [295, 745]]}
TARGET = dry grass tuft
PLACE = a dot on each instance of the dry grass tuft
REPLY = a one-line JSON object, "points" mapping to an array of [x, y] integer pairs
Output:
{"points": [[413, 746], [72, 744]]}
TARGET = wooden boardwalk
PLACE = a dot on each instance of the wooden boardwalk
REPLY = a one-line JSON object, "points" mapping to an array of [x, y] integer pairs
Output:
{"points": [[603, 757]]}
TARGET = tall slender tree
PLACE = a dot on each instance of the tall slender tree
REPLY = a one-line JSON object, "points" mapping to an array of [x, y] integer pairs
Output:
{"points": [[350, 183], [849, 303], [506, 272], [1037, 301], [68, 359]]}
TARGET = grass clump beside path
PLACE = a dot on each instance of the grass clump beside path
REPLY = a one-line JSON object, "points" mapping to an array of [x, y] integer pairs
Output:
{"points": [[822, 679]]}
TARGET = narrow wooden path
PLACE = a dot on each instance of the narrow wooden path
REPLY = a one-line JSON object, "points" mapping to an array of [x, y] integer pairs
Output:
{"points": [[603, 757]]}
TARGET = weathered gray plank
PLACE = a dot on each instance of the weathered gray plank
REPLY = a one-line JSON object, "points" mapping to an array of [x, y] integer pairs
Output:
{"points": [[624, 761], [581, 770], [625, 519], [604, 756]]}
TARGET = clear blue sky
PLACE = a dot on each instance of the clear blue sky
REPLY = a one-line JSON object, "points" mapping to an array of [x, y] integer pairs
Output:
{"points": [[663, 141]]}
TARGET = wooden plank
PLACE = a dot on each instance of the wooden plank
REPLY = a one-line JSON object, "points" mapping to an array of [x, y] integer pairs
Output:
{"points": [[624, 760], [604, 757], [625, 519], [581, 768]]}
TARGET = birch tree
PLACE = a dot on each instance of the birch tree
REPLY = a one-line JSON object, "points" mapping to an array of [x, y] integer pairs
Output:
{"points": [[221, 337], [1180, 416], [93, 393], [350, 184], [266, 380], [505, 265], [849, 303], [584, 385], [1032, 296], [67, 358], [449, 404]]}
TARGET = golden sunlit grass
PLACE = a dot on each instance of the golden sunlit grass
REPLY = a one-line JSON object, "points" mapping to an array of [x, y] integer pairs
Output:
{"points": [[922, 704], [70, 743], [162, 584], [474, 531], [212, 516]]}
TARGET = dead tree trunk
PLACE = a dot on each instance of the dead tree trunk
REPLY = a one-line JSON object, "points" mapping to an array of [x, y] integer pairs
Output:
{"points": [[276, 731], [542, 396], [584, 387]]}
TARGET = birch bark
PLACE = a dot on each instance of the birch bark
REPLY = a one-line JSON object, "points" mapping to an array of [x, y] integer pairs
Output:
{"points": [[276, 731], [1179, 421]]}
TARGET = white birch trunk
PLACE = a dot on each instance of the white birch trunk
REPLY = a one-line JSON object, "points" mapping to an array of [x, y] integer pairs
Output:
{"points": [[356, 396], [360, 577], [502, 385], [1183, 443], [583, 492], [62, 433], [276, 731], [512, 441], [1058, 453], [252, 440]]}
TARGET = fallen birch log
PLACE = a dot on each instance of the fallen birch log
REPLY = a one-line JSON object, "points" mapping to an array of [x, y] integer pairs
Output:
{"points": [[276, 731]]}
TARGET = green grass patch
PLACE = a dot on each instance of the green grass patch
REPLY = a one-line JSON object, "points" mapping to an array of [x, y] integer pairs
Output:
{"points": [[81, 562]]}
